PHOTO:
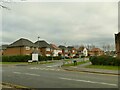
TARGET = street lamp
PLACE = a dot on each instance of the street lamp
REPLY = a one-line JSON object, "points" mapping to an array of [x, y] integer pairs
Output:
{"points": [[38, 44], [64, 48]]}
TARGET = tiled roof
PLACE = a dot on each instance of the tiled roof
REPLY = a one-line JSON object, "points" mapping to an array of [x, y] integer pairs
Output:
{"points": [[70, 47], [22, 42], [54, 47], [43, 44], [96, 49], [62, 47]]}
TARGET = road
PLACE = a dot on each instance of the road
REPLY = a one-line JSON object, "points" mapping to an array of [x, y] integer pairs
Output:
{"points": [[52, 76]]}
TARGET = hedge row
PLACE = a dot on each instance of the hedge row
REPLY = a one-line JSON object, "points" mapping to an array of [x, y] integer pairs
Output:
{"points": [[105, 60], [25, 58]]}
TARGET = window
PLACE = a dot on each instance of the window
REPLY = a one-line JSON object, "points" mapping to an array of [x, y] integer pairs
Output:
{"points": [[32, 48], [73, 51], [47, 54], [27, 48], [47, 49], [36, 48], [66, 50]]}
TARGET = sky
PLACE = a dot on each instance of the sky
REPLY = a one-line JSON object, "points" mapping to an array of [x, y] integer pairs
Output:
{"points": [[61, 23]]}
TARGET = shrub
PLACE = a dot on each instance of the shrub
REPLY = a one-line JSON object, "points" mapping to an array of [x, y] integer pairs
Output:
{"points": [[57, 58], [25, 58], [105, 60], [18, 58], [82, 56]]}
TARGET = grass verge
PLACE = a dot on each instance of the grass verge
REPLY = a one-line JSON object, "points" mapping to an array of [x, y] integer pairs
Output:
{"points": [[103, 67], [41, 62], [13, 62], [15, 87], [78, 63]]}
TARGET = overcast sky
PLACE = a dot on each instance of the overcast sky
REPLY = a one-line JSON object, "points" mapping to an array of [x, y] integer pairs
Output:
{"points": [[61, 23]]}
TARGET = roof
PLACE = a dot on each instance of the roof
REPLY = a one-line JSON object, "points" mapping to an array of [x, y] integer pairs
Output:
{"points": [[54, 47], [3, 47], [81, 48], [43, 44], [22, 42], [96, 49], [70, 47], [62, 47]]}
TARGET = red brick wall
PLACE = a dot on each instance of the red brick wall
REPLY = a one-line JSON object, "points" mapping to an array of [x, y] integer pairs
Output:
{"points": [[44, 52], [96, 53], [17, 51]]}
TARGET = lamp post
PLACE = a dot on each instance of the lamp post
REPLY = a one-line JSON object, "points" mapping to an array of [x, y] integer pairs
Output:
{"points": [[64, 48], [38, 45]]}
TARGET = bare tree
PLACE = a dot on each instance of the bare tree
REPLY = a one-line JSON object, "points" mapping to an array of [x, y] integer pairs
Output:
{"points": [[2, 6]]}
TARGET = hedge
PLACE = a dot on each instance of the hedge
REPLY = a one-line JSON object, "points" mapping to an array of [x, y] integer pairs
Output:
{"points": [[25, 58], [105, 60], [18, 58]]}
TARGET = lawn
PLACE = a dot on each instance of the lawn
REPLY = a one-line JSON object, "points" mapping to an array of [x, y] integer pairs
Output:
{"points": [[78, 63], [103, 67], [42, 62], [13, 62]]}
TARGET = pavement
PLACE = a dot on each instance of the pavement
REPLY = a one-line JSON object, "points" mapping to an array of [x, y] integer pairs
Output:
{"points": [[81, 68]]}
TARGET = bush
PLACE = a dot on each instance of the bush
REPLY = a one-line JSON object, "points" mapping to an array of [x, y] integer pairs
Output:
{"points": [[82, 56], [57, 58], [18, 58], [25, 58], [105, 60]]}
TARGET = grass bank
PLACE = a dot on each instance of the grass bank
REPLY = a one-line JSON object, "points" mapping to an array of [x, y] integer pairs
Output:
{"points": [[41, 62], [78, 63], [103, 67], [13, 62]]}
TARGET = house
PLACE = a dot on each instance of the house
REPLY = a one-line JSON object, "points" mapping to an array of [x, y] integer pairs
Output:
{"points": [[56, 51], [20, 47], [117, 44], [80, 50], [96, 52], [72, 51], [64, 50], [85, 52], [44, 48], [3, 48]]}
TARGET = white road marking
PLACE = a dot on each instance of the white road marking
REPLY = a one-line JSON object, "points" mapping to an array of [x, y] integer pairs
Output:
{"points": [[52, 66], [88, 81], [46, 69], [26, 74], [32, 74], [34, 68], [17, 72]]}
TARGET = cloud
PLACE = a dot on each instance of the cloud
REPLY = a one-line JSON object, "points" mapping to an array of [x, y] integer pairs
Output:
{"points": [[73, 23]]}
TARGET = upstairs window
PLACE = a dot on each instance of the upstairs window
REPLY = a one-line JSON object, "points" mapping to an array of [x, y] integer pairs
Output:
{"points": [[47, 49], [27, 48], [66, 50]]}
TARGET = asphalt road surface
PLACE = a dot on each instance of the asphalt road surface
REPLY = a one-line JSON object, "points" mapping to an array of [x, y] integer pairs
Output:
{"points": [[52, 76]]}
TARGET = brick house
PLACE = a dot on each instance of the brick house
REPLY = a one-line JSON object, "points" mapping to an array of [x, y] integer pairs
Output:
{"points": [[117, 43], [3, 48], [96, 52], [64, 50], [20, 47], [56, 51], [44, 48], [72, 51], [80, 50]]}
